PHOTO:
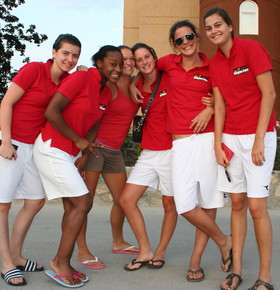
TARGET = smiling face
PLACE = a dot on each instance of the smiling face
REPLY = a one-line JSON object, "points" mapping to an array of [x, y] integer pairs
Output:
{"points": [[110, 67], [217, 30], [128, 61], [66, 57], [188, 47], [145, 61]]}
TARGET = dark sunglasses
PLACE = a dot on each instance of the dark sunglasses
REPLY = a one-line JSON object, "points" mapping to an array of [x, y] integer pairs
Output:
{"points": [[180, 40]]}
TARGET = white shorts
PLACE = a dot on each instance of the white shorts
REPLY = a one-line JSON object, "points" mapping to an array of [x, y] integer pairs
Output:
{"points": [[19, 178], [153, 169], [195, 173], [57, 170], [244, 174]]}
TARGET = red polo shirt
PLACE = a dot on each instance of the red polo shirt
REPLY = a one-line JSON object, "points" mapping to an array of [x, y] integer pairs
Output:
{"points": [[28, 113], [116, 121], [155, 135], [236, 79], [186, 90], [83, 111]]}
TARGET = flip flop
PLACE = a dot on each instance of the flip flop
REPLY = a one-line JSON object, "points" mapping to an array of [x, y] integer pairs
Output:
{"points": [[260, 282], [200, 270], [230, 281], [57, 279], [30, 266], [126, 251], [12, 274], [153, 266], [225, 261], [134, 262], [84, 263], [78, 275]]}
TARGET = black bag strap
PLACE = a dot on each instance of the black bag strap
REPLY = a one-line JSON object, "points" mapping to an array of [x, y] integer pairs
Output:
{"points": [[151, 99]]}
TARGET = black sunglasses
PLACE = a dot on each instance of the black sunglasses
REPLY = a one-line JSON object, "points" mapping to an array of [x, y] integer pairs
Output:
{"points": [[180, 40]]}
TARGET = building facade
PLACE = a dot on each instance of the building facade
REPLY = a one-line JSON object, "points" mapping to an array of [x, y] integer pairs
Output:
{"points": [[149, 21]]}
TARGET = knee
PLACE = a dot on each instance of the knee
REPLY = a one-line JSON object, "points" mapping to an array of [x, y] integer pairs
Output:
{"points": [[169, 205], [5, 207], [33, 206], [239, 204], [39, 204], [123, 202], [257, 212], [85, 204]]}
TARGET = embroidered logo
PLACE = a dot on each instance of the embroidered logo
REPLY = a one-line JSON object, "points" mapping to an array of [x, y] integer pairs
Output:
{"points": [[162, 93], [240, 70], [266, 187], [102, 107], [201, 77]]}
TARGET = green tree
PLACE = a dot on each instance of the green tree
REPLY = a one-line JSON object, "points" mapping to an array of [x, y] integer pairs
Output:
{"points": [[13, 37]]}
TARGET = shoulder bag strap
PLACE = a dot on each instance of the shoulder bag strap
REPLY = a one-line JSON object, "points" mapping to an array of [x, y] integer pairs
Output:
{"points": [[151, 98]]}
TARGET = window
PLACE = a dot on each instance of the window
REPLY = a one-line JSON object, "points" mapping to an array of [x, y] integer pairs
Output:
{"points": [[249, 18]]}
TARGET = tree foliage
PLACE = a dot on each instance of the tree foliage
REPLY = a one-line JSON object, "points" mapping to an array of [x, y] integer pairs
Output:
{"points": [[13, 37]]}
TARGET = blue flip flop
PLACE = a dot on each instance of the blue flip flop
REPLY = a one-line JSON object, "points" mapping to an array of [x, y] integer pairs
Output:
{"points": [[57, 279]]}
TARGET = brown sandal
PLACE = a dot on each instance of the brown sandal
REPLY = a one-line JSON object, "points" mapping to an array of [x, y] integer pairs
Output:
{"points": [[199, 271], [230, 281], [262, 283], [225, 261]]}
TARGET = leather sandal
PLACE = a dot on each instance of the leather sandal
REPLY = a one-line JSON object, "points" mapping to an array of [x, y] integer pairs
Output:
{"points": [[261, 283], [230, 281]]}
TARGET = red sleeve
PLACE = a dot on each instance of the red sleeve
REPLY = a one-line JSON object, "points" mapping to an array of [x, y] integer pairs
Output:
{"points": [[73, 85], [162, 63], [27, 75], [258, 58]]}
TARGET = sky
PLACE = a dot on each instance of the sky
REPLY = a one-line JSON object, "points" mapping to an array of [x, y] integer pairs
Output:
{"points": [[94, 22]]}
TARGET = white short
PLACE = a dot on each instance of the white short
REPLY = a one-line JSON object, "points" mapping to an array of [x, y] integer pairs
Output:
{"points": [[244, 174], [153, 169], [195, 173], [58, 172], [19, 178]]}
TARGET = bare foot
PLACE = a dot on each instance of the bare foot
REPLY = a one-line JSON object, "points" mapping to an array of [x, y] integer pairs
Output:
{"points": [[65, 269], [195, 275], [77, 274], [232, 282], [157, 260], [142, 259], [90, 261], [226, 263], [124, 247]]}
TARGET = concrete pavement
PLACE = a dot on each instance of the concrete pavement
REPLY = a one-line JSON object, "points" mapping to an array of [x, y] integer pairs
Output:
{"points": [[42, 242]]}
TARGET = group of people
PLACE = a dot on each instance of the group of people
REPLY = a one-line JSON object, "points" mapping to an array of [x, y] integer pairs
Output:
{"points": [[60, 132]]}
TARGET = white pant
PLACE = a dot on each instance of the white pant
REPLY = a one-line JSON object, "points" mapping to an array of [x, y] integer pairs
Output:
{"points": [[58, 172], [244, 174], [19, 178], [195, 173], [153, 169]]}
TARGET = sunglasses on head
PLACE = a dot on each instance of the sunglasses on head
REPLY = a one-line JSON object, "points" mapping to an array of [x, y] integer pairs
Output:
{"points": [[180, 40]]}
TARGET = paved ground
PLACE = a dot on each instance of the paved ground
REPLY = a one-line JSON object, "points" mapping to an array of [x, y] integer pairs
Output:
{"points": [[42, 241]]}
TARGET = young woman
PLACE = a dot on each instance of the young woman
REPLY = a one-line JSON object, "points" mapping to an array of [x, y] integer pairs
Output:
{"points": [[245, 122], [71, 115], [22, 116], [152, 168], [112, 132], [190, 121], [194, 170]]}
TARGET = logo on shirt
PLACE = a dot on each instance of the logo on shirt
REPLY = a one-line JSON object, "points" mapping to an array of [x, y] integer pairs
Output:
{"points": [[240, 70], [201, 78], [102, 107], [162, 93], [266, 187]]}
